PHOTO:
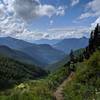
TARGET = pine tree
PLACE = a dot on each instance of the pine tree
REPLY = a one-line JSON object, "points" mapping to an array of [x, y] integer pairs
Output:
{"points": [[72, 56], [72, 61], [97, 36], [94, 42]]}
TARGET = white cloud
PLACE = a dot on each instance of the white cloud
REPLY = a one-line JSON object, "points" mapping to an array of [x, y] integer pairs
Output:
{"points": [[9, 27], [92, 9], [69, 32], [2, 12], [74, 2], [9, 5], [30, 9], [13, 11], [95, 22], [45, 10], [61, 10], [86, 15]]}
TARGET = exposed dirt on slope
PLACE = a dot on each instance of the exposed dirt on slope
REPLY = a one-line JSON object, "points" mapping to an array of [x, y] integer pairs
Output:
{"points": [[58, 94]]}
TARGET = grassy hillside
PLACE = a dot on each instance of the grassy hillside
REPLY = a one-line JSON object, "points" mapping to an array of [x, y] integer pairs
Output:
{"points": [[41, 89], [86, 83]]}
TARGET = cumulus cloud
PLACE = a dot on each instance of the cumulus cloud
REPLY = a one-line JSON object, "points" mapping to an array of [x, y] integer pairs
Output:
{"points": [[12, 25], [86, 15], [2, 12], [61, 10], [95, 22], [45, 10], [92, 9], [74, 2], [9, 27], [9, 5], [94, 6], [13, 11], [29, 9], [26, 8], [6, 8]]}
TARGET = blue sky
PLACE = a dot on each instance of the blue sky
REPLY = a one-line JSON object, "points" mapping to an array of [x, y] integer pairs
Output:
{"points": [[71, 15], [48, 19]]}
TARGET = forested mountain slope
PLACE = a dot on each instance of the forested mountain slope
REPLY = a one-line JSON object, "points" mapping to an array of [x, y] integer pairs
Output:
{"points": [[16, 55], [13, 72]]}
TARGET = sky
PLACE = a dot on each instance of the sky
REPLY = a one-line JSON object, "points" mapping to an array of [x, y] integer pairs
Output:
{"points": [[48, 19]]}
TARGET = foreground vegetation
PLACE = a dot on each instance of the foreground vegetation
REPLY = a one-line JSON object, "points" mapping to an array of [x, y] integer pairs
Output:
{"points": [[41, 89], [86, 82], [85, 85]]}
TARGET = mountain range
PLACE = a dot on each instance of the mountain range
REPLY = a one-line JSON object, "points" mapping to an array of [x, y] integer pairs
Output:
{"points": [[72, 43], [40, 55]]}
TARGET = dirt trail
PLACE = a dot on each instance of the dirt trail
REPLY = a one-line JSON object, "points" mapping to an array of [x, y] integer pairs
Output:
{"points": [[58, 94]]}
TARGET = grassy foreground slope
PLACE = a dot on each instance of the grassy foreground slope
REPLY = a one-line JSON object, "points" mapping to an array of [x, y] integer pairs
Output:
{"points": [[41, 89], [84, 86], [86, 83]]}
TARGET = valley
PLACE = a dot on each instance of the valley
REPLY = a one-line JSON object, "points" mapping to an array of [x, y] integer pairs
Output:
{"points": [[77, 75], [49, 49]]}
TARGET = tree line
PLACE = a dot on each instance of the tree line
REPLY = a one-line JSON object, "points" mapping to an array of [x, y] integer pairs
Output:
{"points": [[94, 44]]}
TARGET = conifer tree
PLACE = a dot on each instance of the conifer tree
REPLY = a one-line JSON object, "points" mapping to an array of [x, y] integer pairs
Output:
{"points": [[72, 61], [94, 42], [72, 56]]}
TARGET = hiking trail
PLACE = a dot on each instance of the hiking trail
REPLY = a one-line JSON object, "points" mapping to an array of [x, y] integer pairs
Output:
{"points": [[58, 94]]}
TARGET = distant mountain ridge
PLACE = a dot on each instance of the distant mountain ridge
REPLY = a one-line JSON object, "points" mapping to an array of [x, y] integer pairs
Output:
{"points": [[44, 54], [17, 55], [14, 43], [40, 54], [72, 43]]}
